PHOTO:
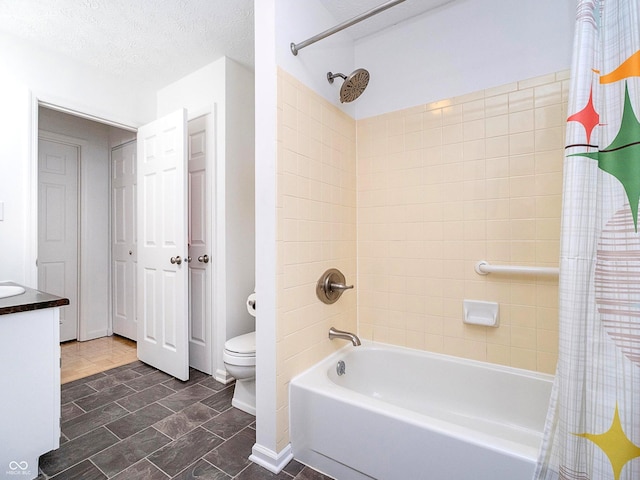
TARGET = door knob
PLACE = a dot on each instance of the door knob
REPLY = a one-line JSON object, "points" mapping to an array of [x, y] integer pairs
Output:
{"points": [[203, 258], [175, 260]]}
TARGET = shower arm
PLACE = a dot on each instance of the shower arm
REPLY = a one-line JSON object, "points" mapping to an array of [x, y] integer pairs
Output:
{"points": [[296, 47]]}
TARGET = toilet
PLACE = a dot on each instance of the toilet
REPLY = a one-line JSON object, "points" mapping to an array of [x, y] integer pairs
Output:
{"points": [[239, 358]]}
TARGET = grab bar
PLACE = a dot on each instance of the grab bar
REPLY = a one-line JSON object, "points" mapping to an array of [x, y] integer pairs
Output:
{"points": [[483, 268]]}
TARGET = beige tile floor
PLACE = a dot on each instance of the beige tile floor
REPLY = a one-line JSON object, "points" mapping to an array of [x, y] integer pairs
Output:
{"points": [[81, 359]]}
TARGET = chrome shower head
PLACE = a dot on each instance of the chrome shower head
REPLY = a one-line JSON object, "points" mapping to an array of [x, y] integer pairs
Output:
{"points": [[353, 85]]}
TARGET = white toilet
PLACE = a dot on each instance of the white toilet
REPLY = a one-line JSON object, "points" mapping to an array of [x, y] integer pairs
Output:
{"points": [[239, 358]]}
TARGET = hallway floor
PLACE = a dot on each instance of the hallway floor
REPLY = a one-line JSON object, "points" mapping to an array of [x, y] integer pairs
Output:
{"points": [[81, 359]]}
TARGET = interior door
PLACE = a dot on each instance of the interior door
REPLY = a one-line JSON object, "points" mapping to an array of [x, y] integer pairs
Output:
{"points": [[123, 243], [199, 159], [162, 245], [58, 228]]}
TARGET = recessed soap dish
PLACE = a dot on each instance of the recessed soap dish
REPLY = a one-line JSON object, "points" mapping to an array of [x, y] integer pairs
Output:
{"points": [[478, 312]]}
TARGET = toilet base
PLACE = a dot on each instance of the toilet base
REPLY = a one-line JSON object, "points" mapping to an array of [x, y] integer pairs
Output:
{"points": [[244, 396]]}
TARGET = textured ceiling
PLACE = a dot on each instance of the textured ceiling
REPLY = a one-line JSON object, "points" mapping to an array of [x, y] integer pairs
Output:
{"points": [[157, 41], [160, 41]]}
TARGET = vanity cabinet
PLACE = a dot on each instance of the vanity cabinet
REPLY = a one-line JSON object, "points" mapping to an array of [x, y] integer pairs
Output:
{"points": [[29, 381]]}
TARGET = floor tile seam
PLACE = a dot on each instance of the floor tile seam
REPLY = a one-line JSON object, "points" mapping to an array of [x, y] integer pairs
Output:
{"points": [[201, 457], [214, 433], [137, 392], [92, 430], [95, 428], [198, 460], [80, 398], [86, 458], [140, 459], [105, 404], [135, 412], [199, 425], [190, 386]]}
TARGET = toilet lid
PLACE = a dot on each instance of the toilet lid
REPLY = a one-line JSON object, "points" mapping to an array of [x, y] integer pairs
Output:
{"points": [[242, 344]]}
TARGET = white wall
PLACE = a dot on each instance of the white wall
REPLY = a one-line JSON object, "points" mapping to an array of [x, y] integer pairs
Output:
{"points": [[265, 450], [58, 80], [463, 47], [15, 145], [226, 88], [297, 21]]}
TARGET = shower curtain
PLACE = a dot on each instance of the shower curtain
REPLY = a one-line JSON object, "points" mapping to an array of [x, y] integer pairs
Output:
{"points": [[593, 425]]}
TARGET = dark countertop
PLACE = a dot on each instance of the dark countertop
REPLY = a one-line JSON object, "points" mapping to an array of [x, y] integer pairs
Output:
{"points": [[30, 300]]}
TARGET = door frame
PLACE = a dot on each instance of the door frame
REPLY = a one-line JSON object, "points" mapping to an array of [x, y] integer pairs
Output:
{"points": [[31, 249]]}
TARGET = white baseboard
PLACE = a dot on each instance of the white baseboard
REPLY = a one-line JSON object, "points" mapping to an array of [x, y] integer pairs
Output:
{"points": [[223, 377], [272, 461]]}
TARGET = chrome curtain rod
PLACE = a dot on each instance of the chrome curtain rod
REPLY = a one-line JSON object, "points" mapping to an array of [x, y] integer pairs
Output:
{"points": [[296, 47]]}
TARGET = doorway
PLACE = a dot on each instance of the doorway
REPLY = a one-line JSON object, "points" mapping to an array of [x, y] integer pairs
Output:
{"points": [[80, 271]]}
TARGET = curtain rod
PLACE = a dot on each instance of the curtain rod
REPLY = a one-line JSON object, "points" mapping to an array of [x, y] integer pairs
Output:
{"points": [[296, 47]]}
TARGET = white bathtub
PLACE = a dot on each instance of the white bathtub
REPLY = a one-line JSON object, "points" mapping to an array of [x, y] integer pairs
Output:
{"points": [[402, 414]]}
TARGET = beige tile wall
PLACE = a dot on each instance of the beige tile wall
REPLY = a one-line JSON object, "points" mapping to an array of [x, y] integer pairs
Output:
{"points": [[316, 214], [443, 185], [437, 188]]}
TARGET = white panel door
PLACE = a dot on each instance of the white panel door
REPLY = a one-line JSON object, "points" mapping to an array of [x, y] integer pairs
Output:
{"points": [[123, 244], [58, 228], [200, 288], [162, 245]]}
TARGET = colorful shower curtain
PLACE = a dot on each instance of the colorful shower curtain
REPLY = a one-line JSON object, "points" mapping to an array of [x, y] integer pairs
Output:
{"points": [[593, 425]]}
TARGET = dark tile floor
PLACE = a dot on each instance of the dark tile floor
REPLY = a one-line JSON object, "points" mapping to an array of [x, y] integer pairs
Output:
{"points": [[135, 422]]}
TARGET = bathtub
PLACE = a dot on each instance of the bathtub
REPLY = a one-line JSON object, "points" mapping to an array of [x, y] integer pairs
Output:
{"points": [[403, 414]]}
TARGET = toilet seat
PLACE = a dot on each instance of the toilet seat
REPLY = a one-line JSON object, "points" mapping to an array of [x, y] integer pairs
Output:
{"points": [[242, 345], [240, 350]]}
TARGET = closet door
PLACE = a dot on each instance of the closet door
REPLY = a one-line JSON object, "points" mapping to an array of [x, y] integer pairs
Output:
{"points": [[123, 232], [58, 228], [200, 160], [162, 287]]}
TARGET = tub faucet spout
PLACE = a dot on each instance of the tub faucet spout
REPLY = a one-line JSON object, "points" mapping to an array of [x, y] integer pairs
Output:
{"points": [[335, 333]]}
